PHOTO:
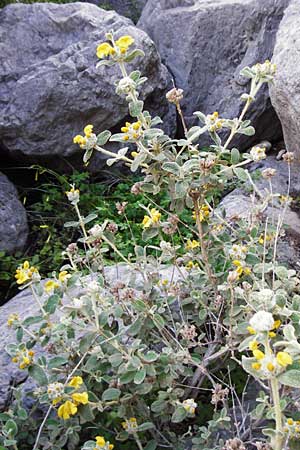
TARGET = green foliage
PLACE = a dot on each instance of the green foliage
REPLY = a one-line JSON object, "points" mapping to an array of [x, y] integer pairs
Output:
{"points": [[160, 356]]}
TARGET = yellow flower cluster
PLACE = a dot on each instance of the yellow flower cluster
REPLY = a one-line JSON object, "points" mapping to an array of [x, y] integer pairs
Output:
{"points": [[213, 122], [204, 213], [271, 333], [102, 444], [192, 244], [153, 219], [190, 406], [73, 195], [12, 318], [270, 362], [266, 68], [292, 427], [241, 268], [50, 285], [70, 406], [130, 425], [25, 272], [191, 265], [266, 238], [24, 358], [83, 140], [258, 153], [131, 130], [238, 251], [118, 47]]}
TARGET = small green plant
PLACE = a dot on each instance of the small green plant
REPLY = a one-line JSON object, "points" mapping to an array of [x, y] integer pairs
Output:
{"points": [[149, 361]]}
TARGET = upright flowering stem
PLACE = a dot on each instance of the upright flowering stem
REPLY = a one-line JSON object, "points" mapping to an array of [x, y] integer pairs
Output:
{"points": [[253, 91], [204, 253], [132, 93], [37, 300], [276, 401], [278, 414], [81, 223]]}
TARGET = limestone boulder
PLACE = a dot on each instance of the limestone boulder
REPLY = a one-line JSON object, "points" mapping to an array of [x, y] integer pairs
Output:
{"points": [[13, 219], [50, 86], [285, 93], [206, 43]]}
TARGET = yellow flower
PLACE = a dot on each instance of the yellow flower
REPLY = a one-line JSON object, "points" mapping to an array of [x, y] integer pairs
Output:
{"points": [[76, 382], [272, 334], [155, 215], [253, 345], [104, 49], [134, 154], [270, 366], [11, 319], [88, 130], [247, 270], [50, 285], [152, 219], [136, 125], [204, 213], [24, 358], [80, 398], [66, 410], [56, 400], [284, 359], [256, 366], [191, 244], [251, 330], [290, 421], [277, 324], [191, 265], [258, 354], [63, 276], [241, 268], [78, 139], [130, 425], [124, 42], [24, 273], [146, 222], [100, 441]]}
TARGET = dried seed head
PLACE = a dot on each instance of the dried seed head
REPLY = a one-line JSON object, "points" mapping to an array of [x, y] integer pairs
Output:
{"points": [[189, 332], [121, 207], [137, 188], [169, 229], [234, 444], [219, 395], [174, 95], [262, 446], [268, 173], [232, 276], [72, 248], [112, 227], [288, 157]]}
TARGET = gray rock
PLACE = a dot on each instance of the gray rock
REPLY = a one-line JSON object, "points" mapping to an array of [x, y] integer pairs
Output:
{"points": [[238, 203], [25, 306], [13, 220], [205, 44], [127, 8], [285, 93], [50, 87]]}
